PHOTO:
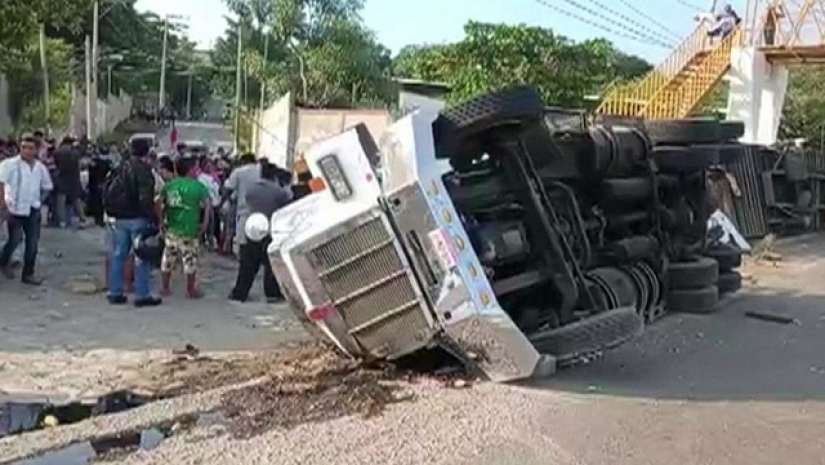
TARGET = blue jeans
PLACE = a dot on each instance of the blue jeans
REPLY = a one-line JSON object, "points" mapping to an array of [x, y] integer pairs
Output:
{"points": [[21, 227], [123, 235]]}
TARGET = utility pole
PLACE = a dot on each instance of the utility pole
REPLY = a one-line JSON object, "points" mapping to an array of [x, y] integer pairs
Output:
{"points": [[263, 74], [95, 59], [162, 96], [189, 97], [88, 89], [109, 81], [238, 79], [46, 91]]}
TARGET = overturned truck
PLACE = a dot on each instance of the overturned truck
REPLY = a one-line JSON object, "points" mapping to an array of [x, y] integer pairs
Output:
{"points": [[516, 237]]}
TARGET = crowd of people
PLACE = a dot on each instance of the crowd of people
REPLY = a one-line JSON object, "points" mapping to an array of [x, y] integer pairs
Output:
{"points": [[189, 202]]}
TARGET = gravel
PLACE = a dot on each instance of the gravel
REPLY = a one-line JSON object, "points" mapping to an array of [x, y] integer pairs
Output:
{"points": [[487, 423]]}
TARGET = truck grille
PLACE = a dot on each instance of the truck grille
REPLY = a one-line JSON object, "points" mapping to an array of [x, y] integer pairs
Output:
{"points": [[371, 288]]}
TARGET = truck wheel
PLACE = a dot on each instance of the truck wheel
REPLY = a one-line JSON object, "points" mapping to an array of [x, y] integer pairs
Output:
{"points": [[684, 131], [731, 130], [453, 125], [599, 332], [684, 159], [729, 282], [696, 301], [694, 274], [727, 256]]}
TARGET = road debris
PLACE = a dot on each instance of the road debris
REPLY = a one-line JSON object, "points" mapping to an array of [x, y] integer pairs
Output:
{"points": [[317, 387], [772, 317]]}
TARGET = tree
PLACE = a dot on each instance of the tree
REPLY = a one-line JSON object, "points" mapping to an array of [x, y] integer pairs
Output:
{"points": [[21, 21], [804, 111], [491, 56], [319, 49]]}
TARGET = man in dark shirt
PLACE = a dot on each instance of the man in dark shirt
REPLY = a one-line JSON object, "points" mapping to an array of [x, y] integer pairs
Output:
{"points": [[133, 214], [67, 185], [265, 196]]}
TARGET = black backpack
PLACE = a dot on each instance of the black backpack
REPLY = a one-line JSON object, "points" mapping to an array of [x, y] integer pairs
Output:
{"points": [[119, 194]]}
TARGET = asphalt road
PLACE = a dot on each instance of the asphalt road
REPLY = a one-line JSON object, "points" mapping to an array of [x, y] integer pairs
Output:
{"points": [[208, 133], [63, 315]]}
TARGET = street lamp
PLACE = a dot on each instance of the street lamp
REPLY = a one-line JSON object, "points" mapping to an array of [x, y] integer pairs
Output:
{"points": [[293, 45]]}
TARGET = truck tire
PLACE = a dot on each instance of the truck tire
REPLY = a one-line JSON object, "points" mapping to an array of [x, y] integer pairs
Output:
{"points": [[599, 332], [731, 130], [682, 160], [694, 274], [729, 282], [684, 131], [727, 256], [453, 125], [696, 301]]}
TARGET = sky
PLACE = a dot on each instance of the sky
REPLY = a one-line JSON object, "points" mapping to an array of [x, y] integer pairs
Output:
{"points": [[399, 22]]}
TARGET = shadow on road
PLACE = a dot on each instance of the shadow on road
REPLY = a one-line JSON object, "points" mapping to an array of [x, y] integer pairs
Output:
{"points": [[724, 356]]}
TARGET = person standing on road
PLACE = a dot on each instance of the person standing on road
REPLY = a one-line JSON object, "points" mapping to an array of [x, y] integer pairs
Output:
{"points": [[238, 183], [24, 185], [180, 205], [265, 196], [68, 188], [128, 199]]}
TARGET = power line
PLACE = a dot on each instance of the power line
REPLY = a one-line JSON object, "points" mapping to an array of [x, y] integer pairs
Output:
{"points": [[601, 27], [645, 31], [656, 23], [691, 5], [644, 37]]}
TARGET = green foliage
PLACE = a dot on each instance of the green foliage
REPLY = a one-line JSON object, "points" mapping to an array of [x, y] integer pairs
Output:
{"points": [[804, 112], [21, 21], [318, 49], [26, 79], [492, 56], [130, 46]]}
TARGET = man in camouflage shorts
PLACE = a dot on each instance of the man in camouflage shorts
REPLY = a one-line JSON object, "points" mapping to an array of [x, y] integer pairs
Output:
{"points": [[180, 203]]}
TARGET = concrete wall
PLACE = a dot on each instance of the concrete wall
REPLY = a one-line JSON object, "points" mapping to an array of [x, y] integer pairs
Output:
{"points": [[274, 132], [285, 131], [410, 101], [5, 119], [109, 113]]}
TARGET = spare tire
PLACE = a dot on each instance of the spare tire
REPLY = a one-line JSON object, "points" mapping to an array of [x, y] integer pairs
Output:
{"points": [[453, 125], [693, 274], [684, 131], [695, 301], [598, 332], [728, 257]]}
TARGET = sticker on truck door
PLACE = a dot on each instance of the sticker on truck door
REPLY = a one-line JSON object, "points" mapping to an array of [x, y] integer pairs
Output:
{"points": [[440, 242]]}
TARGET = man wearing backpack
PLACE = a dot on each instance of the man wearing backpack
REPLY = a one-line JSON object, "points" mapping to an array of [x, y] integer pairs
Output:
{"points": [[129, 199]]}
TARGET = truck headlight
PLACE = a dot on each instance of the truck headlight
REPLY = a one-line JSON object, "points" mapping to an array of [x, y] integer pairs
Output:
{"points": [[334, 175]]}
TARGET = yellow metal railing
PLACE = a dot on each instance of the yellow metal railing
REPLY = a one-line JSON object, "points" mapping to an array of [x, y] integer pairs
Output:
{"points": [[680, 101], [631, 99]]}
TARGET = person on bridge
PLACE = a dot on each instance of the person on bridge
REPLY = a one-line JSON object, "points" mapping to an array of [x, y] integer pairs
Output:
{"points": [[24, 185], [722, 24]]}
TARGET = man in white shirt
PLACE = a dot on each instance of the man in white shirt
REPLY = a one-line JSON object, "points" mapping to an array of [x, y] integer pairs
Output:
{"points": [[24, 184]]}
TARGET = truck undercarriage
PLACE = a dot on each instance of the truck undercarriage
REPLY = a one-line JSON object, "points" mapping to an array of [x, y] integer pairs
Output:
{"points": [[515, 236]]}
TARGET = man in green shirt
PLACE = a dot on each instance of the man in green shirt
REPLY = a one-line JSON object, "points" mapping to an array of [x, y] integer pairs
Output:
{"points": [[181, 202]]}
